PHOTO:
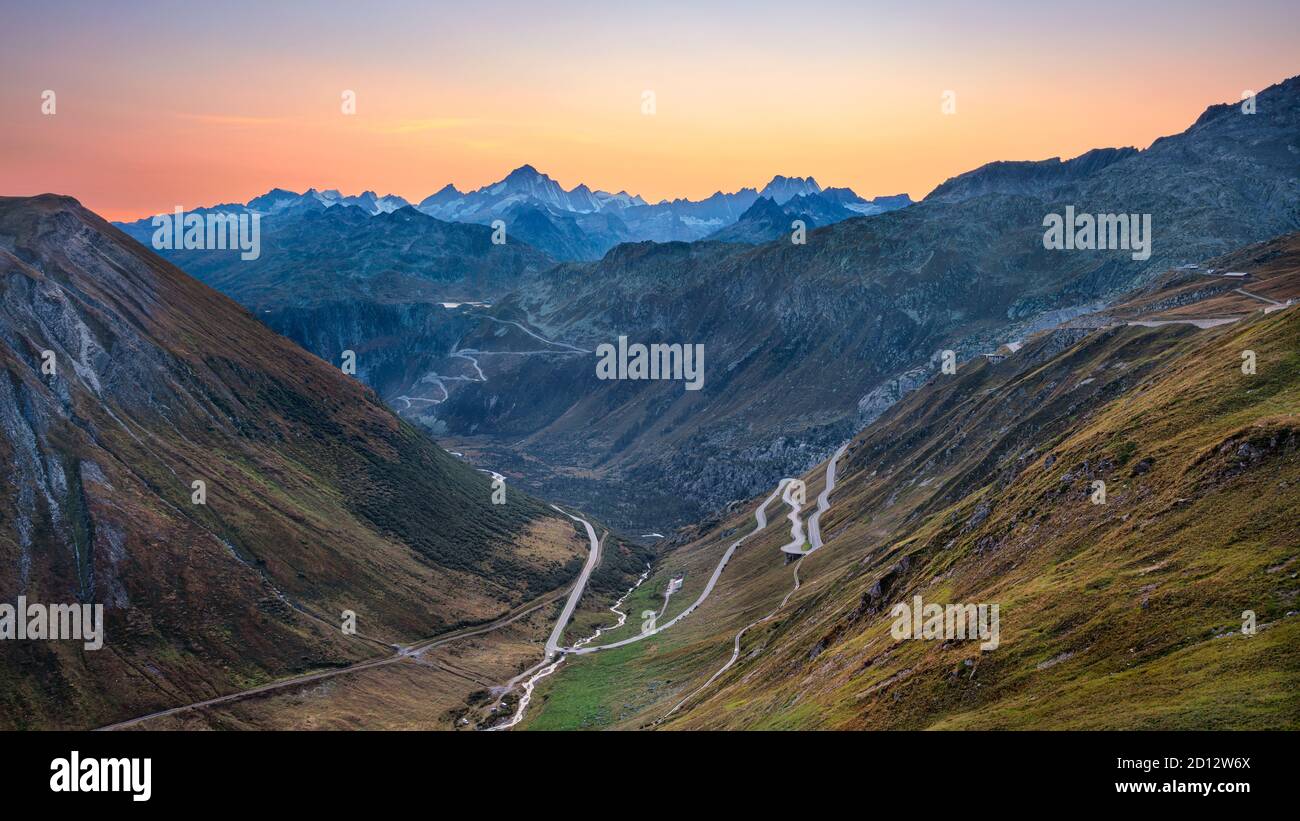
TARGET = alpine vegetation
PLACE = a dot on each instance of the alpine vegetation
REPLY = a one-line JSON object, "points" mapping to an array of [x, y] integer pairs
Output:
{"points": [[654, 361]]}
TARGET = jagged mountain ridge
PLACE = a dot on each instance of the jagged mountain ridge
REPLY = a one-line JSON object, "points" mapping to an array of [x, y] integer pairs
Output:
{"points": [[578, 224], [1036, 178], [583, 225]]}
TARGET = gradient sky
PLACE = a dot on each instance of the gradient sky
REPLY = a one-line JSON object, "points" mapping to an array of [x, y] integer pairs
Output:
{"points": [[192, 104]]}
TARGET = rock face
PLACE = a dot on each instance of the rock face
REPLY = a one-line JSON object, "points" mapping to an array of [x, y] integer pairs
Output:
{"points": [[884, 396], [782, 189], [126, 382], [763, 221], [1035, 179]]}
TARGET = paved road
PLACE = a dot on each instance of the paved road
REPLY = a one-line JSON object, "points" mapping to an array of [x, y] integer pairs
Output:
{"points": [[401, 654], [1257, 296], [824, 500], [470, 355], [538, 337], [1207, 322], [815, 520], [549, 664], [814, 533], [553, 643], [797, 539], [760, 517], [735, 652]]}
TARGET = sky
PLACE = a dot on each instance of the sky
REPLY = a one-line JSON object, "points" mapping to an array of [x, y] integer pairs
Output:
{"points": [[158, 105]]}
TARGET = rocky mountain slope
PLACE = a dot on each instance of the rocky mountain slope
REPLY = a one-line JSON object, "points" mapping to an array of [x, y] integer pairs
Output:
{"points": [[319, 255], [1028, 177], [125, 383]]}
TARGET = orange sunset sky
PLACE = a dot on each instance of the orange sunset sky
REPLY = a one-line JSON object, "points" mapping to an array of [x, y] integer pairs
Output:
{"points": [[159, 105]]}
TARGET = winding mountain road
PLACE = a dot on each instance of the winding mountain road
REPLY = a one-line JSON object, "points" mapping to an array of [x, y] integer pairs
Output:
{"points": [[546, 667], [794, 501], [760, 516], [815, 538], [471, 355], [735, 652], [550, 664], [538, 337], [760, 519], [823, 501]]}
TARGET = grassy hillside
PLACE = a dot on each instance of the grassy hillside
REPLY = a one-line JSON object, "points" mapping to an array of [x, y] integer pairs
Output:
{"points": [[978, 489], [318, 499]]}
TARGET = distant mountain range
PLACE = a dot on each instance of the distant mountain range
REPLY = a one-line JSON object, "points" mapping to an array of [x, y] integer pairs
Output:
{"points": [[579, 224], [278, 199], [805, 342], [310, 255]]}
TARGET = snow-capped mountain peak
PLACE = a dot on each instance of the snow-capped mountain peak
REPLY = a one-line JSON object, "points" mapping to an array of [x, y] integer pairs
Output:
{"points": [[782, 189]]}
